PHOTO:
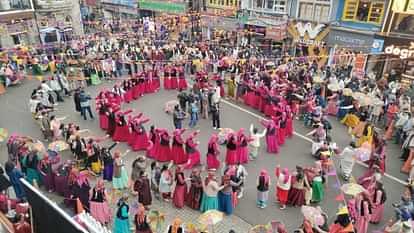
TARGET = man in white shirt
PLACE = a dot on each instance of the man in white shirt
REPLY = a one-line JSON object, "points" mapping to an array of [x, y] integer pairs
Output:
{"points": [[254, 144], [46, 91], [241, 174]]}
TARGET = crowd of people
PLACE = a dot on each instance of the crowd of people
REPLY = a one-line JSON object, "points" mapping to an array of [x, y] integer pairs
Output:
{"points": [[288, 88]]}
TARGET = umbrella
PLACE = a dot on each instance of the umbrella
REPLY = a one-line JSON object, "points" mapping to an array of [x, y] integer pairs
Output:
{"points": [[58, 146], [352, 189], [156, 220], [334, 87], [313, 214], [3, 134], [211, 217], [261, 229]]}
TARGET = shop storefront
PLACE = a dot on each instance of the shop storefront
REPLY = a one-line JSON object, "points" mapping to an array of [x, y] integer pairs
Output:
{"points": [[362, 50], [309, 40], [55, 28], [173, 7], [399, 54]]}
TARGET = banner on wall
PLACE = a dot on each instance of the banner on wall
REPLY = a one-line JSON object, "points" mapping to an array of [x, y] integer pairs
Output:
{"points": [[359, 65], [276, 33]]}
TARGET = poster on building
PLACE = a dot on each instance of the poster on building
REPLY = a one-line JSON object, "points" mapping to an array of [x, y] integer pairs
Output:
{"points": [[359, 65], [276, 33]]}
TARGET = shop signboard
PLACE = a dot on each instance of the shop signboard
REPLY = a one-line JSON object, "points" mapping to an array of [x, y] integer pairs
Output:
{"points": [[357, 42], [359, 65], [402, 52], [377, 46], [163, 6], [276, 33], [308, 33]]}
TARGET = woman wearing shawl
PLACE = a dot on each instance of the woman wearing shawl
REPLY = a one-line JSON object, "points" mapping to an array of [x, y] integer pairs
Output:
{"points": [[180, 188], [143, 190], [139, 138], [45, 169], [378, 200], [289, 122], [318, 192], [210, 191], [182, 82], [364, 211], [195, 193], [283, 180], [121, 223], [154, 141], [15, 175], [271, 136], [31, 163], [299, 187], [192, 152], [121, 133], [242, 147], [231, 153], [56, 127], [165, 184], [163, 153], [80, 189], [103, 109], [176, 227], [180, 157], [99, 203], [213, 152], [108, 162], [263, 185], [120, 176], [225, 195], [141, 224]]}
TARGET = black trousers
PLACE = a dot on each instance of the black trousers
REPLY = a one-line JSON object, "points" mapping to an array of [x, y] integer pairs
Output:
{"points": [[216, 120]]}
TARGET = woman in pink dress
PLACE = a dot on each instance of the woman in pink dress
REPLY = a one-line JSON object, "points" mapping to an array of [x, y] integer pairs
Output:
{"points": [[98, 202], [102, 108], [128, 91], [242, 147], [282, 128], [174, 79], [139, 138], [231, 153], [268, 105], [271, 136], [213, 152], [180, 188], [167, 77], [179, 155], [364, 211], [378, 201], [121, 133], [192, 152], [163, 153], [182, 82], [154, 141], [289, 122], [135, 87]]}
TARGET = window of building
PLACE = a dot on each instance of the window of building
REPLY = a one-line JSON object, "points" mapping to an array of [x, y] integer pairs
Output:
{"points": [[273, 5], [16, 39], [317, 11], [363, 11]]}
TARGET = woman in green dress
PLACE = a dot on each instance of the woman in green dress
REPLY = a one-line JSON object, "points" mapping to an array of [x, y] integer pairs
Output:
{"points": [[211, 189], [31, 163], [317, 188], [231, 86]]}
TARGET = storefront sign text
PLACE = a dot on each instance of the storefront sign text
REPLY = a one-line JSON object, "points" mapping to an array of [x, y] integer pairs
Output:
{"points": [[401, 52], [308, 34]]}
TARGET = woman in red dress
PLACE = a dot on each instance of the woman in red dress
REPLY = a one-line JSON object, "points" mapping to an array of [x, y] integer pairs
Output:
{"points": [[289, 122], [179, 155], [242, 149], [154, 141], [128, 91], [192, 152], [174, 79], [163, 153], [180, 188], [167, 77], [182, 82], [213, 152], [231, 153], [121, 133], [139, 138], [135, 87]]}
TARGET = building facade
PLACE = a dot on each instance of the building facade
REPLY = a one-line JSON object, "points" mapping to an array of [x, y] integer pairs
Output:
{"points": [[17, 23], [58, 21]]}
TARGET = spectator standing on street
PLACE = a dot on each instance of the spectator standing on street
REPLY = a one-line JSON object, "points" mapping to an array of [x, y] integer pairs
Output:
{"points": [[47, 92], [85, 103], [54, 85], [178, 117], [194, 114], [76, 100], [215, 114]]}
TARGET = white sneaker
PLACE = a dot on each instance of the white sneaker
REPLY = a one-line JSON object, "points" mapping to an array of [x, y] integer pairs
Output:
{"points": [[240, 195]]}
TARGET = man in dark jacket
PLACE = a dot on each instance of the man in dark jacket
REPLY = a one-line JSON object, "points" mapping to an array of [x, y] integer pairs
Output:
{"points": [[85, 103]]}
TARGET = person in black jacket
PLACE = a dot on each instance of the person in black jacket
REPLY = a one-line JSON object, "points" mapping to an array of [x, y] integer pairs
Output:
{"points": [[215, 113]]}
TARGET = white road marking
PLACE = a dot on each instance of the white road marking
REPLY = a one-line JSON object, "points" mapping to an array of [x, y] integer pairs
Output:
{"points": [[305, 137]]}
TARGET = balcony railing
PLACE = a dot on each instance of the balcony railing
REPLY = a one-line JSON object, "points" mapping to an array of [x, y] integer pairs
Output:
{"points": [[15, 5], [51, 4]]}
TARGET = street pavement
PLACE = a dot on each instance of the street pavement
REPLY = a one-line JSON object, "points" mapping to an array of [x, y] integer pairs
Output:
{"points": [[16, 117]]}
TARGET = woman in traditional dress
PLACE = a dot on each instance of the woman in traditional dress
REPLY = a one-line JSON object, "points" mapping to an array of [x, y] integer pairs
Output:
{"points": [[121, 133], [120, 176], [15, 175], [192, 152], [182, 82], [242, 147], [226, 194], [213, 152], [103, 115], [231, 86], [332, 108], [98, 201], [180, 157], [263, 185], [31, 163], [128, 91], [364, 211], [45, 168], [56, 127], [176, 227], [271, 136], [195, 193], [378, 200], [141, 224], [283, 180], [180, 188], [80, 189], [210, 191], [318, 192], [231, 153], [154, 141], [108, 162], [139, 138], [367, 135], [282, 128], [166, 181], [289, 122], [143, 190], [121, 223], [111, 121], [167, 77], [299, 187], [163, 153]]}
